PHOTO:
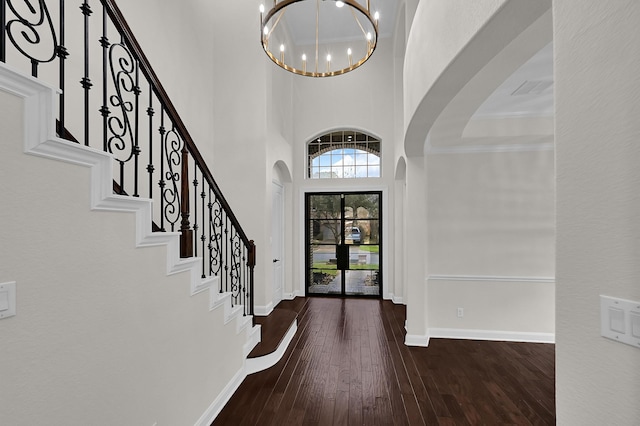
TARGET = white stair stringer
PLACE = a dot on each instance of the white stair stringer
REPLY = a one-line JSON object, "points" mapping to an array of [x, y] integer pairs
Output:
{"points": [[41, 140]]}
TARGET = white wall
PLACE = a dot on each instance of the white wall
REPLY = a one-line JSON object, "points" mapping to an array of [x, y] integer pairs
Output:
{"points": [[101, 335], [492, 213], [492, 243], [597, 69]]}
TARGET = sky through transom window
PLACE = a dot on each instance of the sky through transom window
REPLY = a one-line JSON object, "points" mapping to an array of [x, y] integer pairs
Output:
{"points": [[344, 155]]}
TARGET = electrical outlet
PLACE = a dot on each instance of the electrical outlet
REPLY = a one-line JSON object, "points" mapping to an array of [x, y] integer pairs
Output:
{"points": [[460, 312]]}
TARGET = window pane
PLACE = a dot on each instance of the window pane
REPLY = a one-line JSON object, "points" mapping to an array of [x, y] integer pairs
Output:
{"points": [[324, 160]]}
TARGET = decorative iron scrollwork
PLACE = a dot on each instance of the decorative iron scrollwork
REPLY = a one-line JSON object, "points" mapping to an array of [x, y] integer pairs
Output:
{"points": [[215, 237], [171, 194], [26, 34], [235, 273], [123, 67]]}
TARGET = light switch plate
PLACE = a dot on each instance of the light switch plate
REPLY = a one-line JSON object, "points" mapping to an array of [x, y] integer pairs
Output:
{"points": [[620, 320], [7, 299]]}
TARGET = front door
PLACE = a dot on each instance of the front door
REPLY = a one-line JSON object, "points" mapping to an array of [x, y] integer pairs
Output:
{"points": [[344, 244]]}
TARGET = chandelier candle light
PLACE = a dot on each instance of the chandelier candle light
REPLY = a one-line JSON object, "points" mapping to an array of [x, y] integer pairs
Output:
{"points": [[342, 34]]}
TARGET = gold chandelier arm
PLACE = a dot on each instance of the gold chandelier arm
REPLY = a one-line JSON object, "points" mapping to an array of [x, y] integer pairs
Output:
{"points": [[275, 25], [353, 12]]}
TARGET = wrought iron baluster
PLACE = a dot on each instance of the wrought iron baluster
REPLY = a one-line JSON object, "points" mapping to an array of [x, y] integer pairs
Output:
{"points": [[104, 109], [3, 30], [226, 253], [247, 271], [238, 267], [62, 57], [161, 183], [86, 81], [122, 191], [244, 278], [211, 233], [216, 244], [235, 263], [220, 242], [150, 167], [196, 226], [136, 127], [202, 236]]}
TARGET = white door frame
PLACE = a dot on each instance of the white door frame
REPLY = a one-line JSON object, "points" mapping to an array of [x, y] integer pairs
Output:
{"points": [[277, 240]]}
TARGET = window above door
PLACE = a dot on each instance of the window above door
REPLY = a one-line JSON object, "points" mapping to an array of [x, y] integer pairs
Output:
{"points": [[343, 154]]}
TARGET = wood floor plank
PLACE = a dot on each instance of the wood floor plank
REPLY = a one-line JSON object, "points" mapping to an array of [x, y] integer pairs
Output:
{"points": [[348, 365]]}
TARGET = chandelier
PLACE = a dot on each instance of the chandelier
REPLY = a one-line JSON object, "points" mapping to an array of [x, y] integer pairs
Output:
{"points": [[319, 38]]}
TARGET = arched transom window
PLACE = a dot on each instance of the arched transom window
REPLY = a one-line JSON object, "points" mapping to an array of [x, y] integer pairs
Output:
{"points": [[344, 154]]}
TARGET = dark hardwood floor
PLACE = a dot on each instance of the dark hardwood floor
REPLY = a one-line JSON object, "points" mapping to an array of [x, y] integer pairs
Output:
{"points": [[348, 365]]}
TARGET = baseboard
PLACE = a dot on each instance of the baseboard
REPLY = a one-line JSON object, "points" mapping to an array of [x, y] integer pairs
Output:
{"points": [[397, 300], [505, 336], [254, 365], [263, 311], [218, 404], [492, 278], [416, 340], [254, 336], [288, 296], [250, 366]]}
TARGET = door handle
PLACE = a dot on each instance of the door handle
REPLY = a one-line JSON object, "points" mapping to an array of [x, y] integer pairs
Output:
{"points": [[342, 253], [276, 260]]}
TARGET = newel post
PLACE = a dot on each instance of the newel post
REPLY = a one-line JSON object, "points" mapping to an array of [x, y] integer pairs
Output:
{"points": [[251, 263], [186, 236]]}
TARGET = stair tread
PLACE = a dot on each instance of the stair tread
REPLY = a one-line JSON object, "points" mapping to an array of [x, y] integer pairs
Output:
{"points": [[275, 326]]}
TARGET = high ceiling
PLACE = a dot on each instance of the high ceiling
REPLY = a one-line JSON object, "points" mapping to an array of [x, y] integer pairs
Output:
{"points": [[528, 92]]}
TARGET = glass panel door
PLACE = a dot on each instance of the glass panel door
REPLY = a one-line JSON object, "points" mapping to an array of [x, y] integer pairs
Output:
{"points": [[344, 244]]}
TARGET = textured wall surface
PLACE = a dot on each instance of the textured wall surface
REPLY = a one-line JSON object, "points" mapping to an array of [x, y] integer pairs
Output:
{"points": [[598, 181], [492, 214]]}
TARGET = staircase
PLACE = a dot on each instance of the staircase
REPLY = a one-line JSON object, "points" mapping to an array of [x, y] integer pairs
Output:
{"points": [[144, 150]]}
